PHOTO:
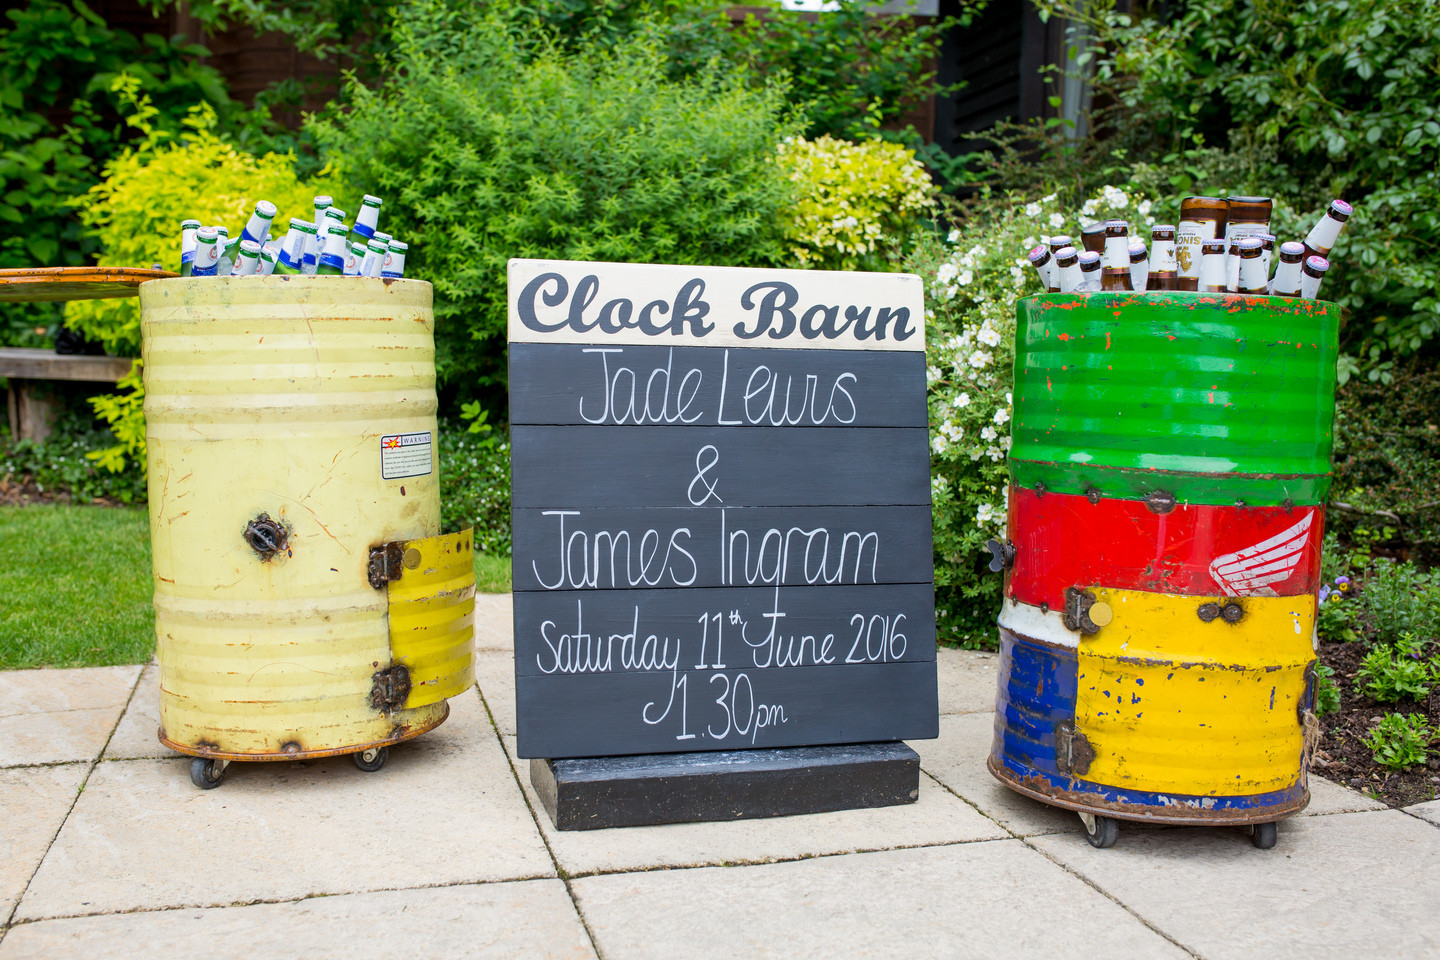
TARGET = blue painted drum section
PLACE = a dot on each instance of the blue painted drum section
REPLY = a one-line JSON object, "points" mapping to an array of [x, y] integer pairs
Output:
{"points": [[1037, 692]]}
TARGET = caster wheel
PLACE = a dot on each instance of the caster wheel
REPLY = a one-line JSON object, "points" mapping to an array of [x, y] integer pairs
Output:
{"points": [[207, 774], [372, 759], [1102, 832], [1263, 835]]}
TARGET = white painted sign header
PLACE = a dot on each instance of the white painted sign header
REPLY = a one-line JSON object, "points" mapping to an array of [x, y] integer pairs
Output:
{"points": [[572, 301]]}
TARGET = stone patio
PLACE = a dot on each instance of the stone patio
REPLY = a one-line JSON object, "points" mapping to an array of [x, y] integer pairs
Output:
{"points": [[108, 850]]}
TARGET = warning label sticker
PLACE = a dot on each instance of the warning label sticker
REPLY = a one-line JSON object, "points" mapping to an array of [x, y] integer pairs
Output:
{"points": [[406, 455]]}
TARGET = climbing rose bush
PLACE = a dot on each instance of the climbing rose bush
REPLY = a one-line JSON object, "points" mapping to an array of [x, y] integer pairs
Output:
{"points": [[854, 202], [973, 276]]}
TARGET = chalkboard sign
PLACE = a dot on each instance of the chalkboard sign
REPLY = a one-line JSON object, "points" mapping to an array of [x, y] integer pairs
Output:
{"points": [[721, 509]]}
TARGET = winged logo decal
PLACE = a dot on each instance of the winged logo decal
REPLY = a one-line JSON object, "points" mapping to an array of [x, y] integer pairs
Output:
{"points": [[1247, 570]]}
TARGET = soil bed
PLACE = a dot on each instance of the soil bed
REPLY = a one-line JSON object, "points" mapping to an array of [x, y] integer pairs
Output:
{"points": [[1342, 755]]}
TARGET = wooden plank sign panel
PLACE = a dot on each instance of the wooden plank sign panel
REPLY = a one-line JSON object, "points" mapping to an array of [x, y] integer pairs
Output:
{"points": [[721, 490]]}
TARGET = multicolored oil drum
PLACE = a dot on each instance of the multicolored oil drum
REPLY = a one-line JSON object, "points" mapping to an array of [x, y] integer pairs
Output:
{"points": [[1169, 463]]}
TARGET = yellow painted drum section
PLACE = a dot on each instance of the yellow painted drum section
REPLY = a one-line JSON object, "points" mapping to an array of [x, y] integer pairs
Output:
{"points": [[272, 396], [1171, 703], [432, 616]]}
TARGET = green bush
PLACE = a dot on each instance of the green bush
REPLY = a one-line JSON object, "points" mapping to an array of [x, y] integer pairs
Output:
{"points": [[1327, 692], [1400, 600], [62, 464], [1400, 740], [1315, 100], [487, 146], [475, 485], [1396, 673], [972, 279]]}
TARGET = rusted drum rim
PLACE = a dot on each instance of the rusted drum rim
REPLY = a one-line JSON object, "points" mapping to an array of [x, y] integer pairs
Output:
{"points": [[1141, 813], [408, 733]]}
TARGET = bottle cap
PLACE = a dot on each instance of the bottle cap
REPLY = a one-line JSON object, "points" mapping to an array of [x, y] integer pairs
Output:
{"points": [[1250, 247], [1162, 231], [189, 224], [335, 213], [1089, 260], [1292, 250], [1316, 265], [401, 246], [265, 209], [1066, 256], [370, 201], [1340, 210], [1138, 252], [1039, 255]]}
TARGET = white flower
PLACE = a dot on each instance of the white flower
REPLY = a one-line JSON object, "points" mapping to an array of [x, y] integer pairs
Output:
{"points": [[988, 433], [988, 337], [1143, 208], [932, 374], [980, 359], [938, 444], [1002, 415], [965, 277], [938, 486], [995, 453], [962, 401], [954, 237], [983, 514], [946, 273], [1032, 210], [1009, 401], [1057, 221]]}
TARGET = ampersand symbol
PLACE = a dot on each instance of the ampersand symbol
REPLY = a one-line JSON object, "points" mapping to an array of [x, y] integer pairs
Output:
{"points": [[701, 469]]}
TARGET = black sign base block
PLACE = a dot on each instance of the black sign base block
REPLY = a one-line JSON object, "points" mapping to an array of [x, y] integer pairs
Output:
{"points": [[599, 792]]}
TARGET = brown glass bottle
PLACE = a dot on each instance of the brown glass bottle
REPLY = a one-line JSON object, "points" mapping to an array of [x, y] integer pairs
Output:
{"points": [[1067, 268], [1163, 275], [1323, 235], [1115, 270], [1092, 238], [1287, 272], [1089, 272], [1201, 219]]}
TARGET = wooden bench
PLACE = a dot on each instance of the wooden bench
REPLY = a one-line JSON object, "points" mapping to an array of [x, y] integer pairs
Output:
{"points": [[31, 413]]}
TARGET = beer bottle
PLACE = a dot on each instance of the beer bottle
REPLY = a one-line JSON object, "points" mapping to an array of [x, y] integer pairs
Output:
{"points": [[187, 245], [368, 216], [1057, 243], [1253, 279], [1067, 268], [1089, 272], [226, 263], [207, 253], [267, 263], [1311, 273], [1092, 238], [249, 260], [291, 258], [1322, 237], [1244, 217], [1232, 264], [1139, 265], [310, 252], [374, 256], [332, 257], [1115, 273], [354, 257], [257, 228], [1040, 259], [394, 265], [1212, 266], [1201, 219], [1162, 259], [323, 204], [1287, 272], [384, 238]]}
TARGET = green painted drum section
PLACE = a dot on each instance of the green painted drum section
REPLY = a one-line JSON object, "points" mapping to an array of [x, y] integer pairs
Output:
{"points": [[1213, 398]]}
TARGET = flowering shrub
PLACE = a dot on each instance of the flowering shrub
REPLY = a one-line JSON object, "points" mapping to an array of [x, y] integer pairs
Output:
{"points": [[972, 279], [853, 200]]}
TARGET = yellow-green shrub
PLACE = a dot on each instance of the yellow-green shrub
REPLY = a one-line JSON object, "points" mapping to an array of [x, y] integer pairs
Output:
{"points": [[147, 191], [855, 200], [136, 213]]}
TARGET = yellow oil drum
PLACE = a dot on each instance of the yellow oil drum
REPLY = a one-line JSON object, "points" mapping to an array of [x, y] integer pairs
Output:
{"points": [[306, 601]]}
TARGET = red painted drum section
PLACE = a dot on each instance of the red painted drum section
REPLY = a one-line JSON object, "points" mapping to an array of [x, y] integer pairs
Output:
{"points": [[1065, 540]]}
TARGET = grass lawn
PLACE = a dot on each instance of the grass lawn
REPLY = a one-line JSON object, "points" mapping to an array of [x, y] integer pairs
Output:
{"points": [[75, 583]]}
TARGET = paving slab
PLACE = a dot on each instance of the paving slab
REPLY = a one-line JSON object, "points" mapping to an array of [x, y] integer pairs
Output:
{"points": [[957, 759], [444, 810], [494, 622], [1429, 812], [1327, 796], [967, 680], [978, 900], [60, 716], [137, 736], [1345, 885], [534, 918], [33, 804], [495, 675], [935, 818]]}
